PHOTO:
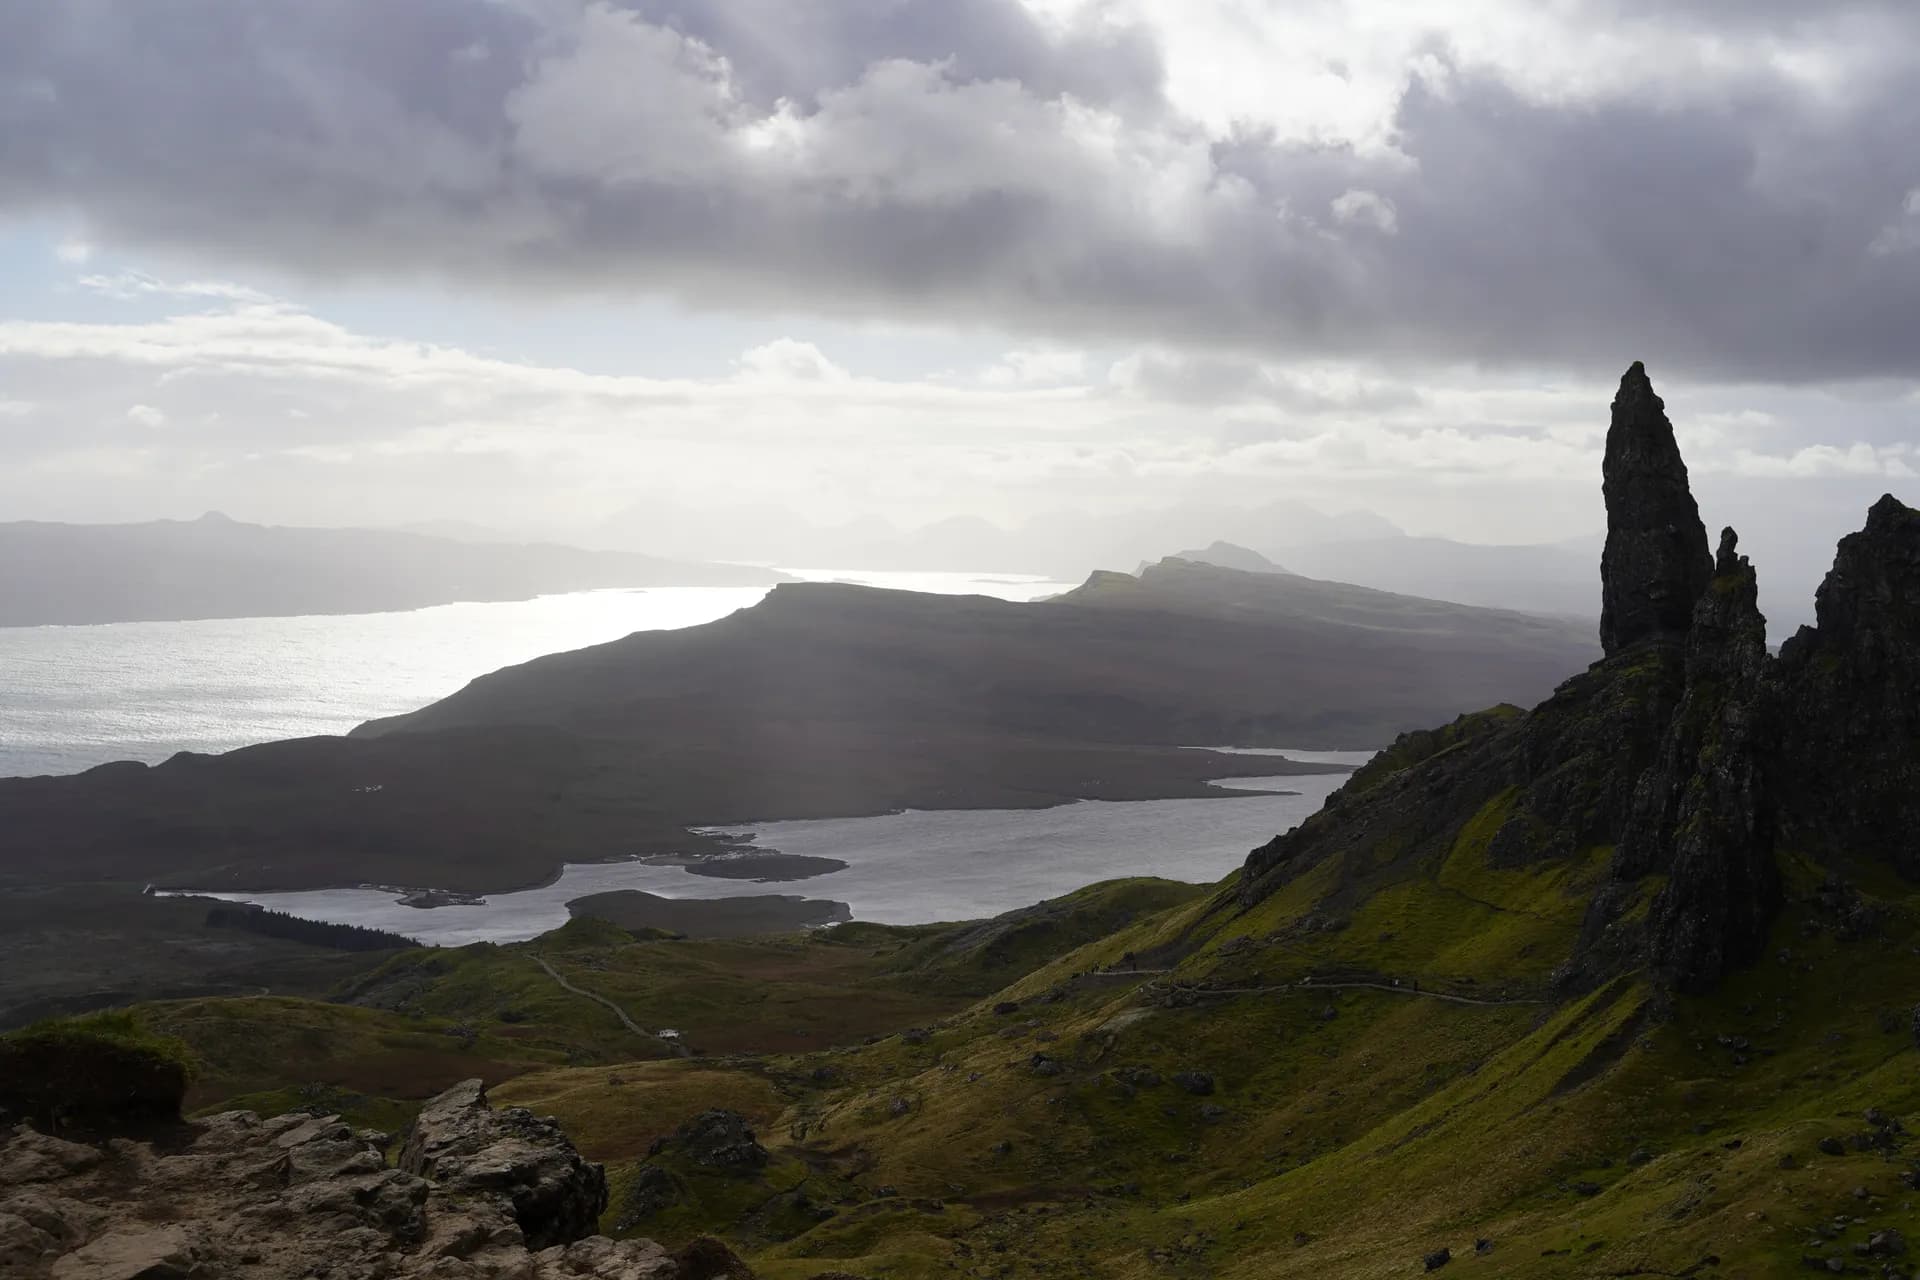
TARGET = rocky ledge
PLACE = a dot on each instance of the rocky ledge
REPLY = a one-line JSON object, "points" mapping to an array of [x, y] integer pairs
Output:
{"points": [[1689, 757], [479, 1194]]}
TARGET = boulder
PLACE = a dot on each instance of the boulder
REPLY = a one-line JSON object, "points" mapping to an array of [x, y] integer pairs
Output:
{"points": [[1198, 1083], [462, 1143], [1888, 1243], [720, 1140], [482, 1195]]}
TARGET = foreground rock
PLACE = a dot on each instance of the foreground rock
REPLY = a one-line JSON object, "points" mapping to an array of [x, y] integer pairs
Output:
{"points": [[480, 1195]]}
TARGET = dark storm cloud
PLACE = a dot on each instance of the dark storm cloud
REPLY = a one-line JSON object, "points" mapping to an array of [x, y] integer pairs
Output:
{"points": [[955, 160], [1737, 239]]}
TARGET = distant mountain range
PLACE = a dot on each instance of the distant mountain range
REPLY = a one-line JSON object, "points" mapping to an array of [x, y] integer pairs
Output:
{"points": [[1063, 544], [1226, 555], [215, 567], [1540, 578], [1360, 547]]}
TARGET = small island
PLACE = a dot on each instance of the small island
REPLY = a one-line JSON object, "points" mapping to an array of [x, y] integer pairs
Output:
{"points": [[709, 917]]}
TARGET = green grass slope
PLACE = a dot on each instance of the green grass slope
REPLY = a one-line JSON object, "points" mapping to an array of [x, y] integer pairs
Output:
{"points": [[1311, 1087]]}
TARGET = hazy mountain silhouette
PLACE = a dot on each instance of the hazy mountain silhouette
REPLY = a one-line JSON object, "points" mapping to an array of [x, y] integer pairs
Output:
{"points": [[215, 567], [1185, 653], [1360, 547], [1539, 578], [1065, 544], [1227, 555]]}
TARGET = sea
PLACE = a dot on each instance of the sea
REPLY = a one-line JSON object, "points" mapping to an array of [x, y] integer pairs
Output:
{"points": [[75, 697]]}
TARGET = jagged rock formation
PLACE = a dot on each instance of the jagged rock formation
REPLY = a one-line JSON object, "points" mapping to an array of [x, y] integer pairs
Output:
{"points": [[1851, 700], [469, 1149], [1702, 816], [1688, 752], [1655, 564], [480, 1195]]}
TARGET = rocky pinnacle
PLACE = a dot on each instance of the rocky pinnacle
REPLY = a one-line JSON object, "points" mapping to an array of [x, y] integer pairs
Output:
{"points": [[1656, 563]]}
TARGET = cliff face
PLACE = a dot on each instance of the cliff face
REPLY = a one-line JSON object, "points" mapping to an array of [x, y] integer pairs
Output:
{"points": [[1688, 759], [1851, 701]]}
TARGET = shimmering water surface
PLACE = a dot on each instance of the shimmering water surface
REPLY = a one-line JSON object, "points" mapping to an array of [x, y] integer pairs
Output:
{"points": [[75, 697], [902, 868]]}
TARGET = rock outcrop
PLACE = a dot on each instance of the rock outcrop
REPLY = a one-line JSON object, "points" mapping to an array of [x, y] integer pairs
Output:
{"points": [[719, 1140], [1655, 564], [466, 1147], [1851, 696], [1688, 751], [1703, 815], [480, 1195]]}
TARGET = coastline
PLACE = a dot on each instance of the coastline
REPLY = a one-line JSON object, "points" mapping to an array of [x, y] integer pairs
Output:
{"points": [[682, 846], [910, 867]]}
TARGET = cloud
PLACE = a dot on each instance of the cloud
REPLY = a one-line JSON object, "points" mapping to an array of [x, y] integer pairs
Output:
{"points": [[785, 360], [1858, 459], [1183, 378], [1902, 235], [1037, 366], [275, 412], [1562, 186], [1366, 208], [145, 415], [125, 286]]}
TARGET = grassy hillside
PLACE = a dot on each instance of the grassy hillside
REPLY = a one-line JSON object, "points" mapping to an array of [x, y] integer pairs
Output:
{"points": [[397, 1033], [1269, 1092]]}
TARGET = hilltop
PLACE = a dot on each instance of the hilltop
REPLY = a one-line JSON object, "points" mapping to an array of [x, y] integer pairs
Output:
{"points": [[1228, 555], [215, 567], [1184, 654]]}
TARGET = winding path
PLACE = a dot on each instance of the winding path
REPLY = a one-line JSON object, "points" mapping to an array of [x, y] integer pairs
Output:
{"points": [[1403, 990], [1297, 988], [679, 1050]]}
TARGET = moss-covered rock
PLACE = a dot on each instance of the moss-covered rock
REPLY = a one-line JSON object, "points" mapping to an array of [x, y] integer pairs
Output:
{"points": [[104, 1071]]}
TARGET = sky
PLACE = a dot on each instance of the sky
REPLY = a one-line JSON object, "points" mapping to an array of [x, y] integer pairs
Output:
{"points": [[533, 263]]}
